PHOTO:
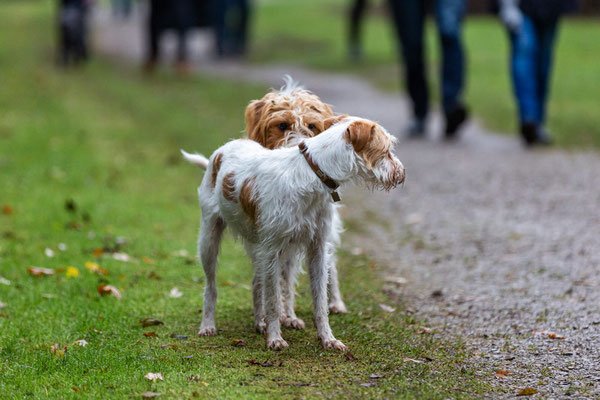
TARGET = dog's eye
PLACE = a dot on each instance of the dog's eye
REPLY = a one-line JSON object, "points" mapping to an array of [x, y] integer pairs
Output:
{"points": [[311, 127], [283, 126]]}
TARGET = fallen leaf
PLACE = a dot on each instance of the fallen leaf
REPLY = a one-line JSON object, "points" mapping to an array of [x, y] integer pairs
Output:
{"points": [[180, 337], [4, 281], [8, 210], [148, 260], [555, 336], [263, 364], [226, 283], [150, 322], [110, 290], [349, 356], [150, 395], [98, 252], [376, 376], [406, 359], [58, 350], [150, 334], [181, 253], [501, 374], [169, 346], [49, 252], [239, 343], [154, 376], [39, 272], [387, 308], [3, 316], [70, 205], [527, 392], [75, 388], [72, 272], [154, 275], [396, 280], [95, 268], [80, 342], [175, 293], [122, 257], [368, 384]]}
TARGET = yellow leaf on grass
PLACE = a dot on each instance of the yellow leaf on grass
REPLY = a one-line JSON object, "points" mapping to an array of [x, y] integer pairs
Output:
{"points": [[110, 290], [501, 374], [527, 392], [72, 272], [95, 268], [148, 260]]}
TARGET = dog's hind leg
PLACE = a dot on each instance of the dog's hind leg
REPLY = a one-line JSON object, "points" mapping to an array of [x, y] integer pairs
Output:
{"points": [[211, 231]]}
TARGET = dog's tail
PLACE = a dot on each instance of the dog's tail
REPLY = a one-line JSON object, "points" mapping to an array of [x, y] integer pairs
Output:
{"points": [[197, 159]]}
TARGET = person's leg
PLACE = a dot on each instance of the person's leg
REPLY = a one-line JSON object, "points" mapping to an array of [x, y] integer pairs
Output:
{"points": [[220, 28], [357, 13], [153, 34], [409, 20], [524, 68], [449, 15], [547, 35], [240, 30]]}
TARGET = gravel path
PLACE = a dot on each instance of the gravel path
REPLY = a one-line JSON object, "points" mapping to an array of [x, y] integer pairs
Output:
{"points": [[497, 246]]}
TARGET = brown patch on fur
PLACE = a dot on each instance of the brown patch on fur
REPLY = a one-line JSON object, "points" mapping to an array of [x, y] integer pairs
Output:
{"points": [[247, 199], [270, 120], [369, 141], [215, 169], [229, 187]]}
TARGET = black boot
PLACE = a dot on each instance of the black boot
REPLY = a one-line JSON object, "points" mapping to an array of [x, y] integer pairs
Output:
{"points": [[454, 119], [529, 132]]}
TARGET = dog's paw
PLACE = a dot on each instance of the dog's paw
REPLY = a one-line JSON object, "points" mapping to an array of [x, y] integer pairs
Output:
{"points": [[277, 344], [260, 327], [338, 307], [207, 331], [333, 344], [293, 323]]}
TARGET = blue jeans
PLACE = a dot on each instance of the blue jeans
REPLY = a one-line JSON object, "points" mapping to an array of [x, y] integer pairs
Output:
{"points": [[409, 21], [531, 67]]}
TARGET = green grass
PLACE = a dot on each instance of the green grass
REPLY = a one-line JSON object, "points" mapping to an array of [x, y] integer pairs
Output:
{"points": [[316, 37], [108, 139]]}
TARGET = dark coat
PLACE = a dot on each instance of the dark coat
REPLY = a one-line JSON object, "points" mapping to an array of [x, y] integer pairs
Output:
{"points": [[543, 10], [547, 10]]}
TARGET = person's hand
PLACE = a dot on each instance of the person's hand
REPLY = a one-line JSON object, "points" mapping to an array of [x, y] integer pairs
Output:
{"points": [[511, 16]]}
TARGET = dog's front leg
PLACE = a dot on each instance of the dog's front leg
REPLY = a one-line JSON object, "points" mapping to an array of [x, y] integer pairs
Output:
{"points": [[288, 292], [318, 273], [270, 273]]}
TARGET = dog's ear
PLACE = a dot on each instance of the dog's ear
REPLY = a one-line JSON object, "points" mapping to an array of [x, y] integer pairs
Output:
{"points": [[253, 117], [329, 122], [359, 133]]}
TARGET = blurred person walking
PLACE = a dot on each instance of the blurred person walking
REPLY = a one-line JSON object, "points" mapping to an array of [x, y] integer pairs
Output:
{"points": [[179, 15], [532, 27], [409, 21], [72, 31], [231, 27], [357, 14]]}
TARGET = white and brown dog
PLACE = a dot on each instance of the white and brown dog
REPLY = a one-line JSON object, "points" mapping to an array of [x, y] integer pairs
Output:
{"points": [[283, 118], [279, 202]]}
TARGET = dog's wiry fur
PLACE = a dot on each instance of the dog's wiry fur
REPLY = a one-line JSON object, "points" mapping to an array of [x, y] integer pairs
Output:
{"points": [[305, 115], [290, 216]]}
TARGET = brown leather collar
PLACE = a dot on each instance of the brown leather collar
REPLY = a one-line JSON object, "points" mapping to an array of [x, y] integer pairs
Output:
{"points": [[326, 179]]}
